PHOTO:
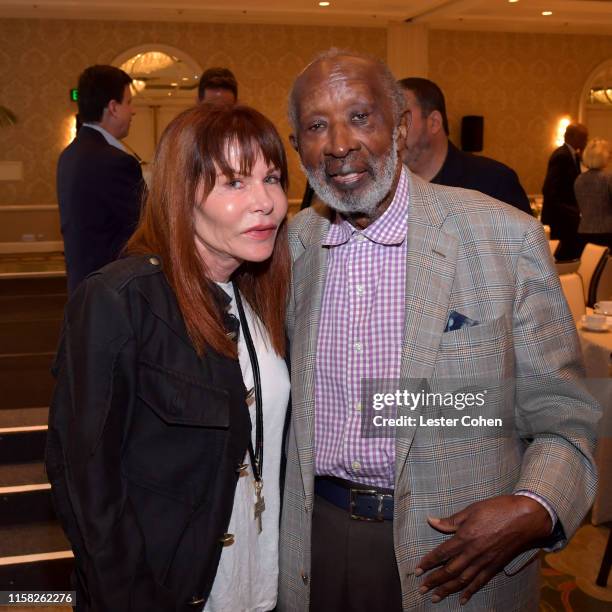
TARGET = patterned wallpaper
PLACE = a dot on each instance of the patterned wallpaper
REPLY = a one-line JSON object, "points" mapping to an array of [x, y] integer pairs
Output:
{"points": [[40, 60], [521, 83]]}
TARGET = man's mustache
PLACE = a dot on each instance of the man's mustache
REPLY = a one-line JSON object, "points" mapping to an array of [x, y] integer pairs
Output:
{"points": [[341, 167]]}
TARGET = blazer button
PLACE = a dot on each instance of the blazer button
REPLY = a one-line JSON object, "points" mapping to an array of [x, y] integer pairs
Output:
{"points": [[227, 539], [196, 600], [154, 261], [304, 577]]}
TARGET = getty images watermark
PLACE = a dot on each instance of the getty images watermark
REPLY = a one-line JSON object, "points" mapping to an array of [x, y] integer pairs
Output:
{"points": [[422, 402], [477, 408]]}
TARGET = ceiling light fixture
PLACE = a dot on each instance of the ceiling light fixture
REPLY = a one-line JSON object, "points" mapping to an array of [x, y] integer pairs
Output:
{"points": [[324, 3], [513, 1], [601, 95], [146, 63], [546, 13]]}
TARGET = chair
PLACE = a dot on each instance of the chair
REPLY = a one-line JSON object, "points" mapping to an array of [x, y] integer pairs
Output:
{"points": [[574, 294], [601, 287], [606, 564], [592, 263], [567, 267]]}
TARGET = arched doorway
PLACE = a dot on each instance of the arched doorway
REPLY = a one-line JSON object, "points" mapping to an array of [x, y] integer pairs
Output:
{"points": [[595, 109], [165, 83]]}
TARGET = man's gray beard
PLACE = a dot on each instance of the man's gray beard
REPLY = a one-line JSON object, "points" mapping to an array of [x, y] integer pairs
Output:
{"points": [[364, 203]]}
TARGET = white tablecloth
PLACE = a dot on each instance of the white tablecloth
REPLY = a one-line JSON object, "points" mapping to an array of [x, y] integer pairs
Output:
{"points": [[597, 351]]}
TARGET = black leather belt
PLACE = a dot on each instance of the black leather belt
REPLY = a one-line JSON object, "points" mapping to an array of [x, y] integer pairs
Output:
{"points": [[364, 503]]}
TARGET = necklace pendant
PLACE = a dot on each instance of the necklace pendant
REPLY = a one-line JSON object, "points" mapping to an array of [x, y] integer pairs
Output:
{"points": [[260, 504]]}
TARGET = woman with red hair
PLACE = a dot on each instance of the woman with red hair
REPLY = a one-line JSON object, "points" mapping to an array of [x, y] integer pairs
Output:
{"points": [[172, 389]]}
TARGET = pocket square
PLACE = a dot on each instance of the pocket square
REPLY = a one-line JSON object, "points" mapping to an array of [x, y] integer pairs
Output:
{"points": [[456, 320]]}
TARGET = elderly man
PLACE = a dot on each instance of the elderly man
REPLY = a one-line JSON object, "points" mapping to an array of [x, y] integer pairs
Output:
{"points": [[399, 279]]}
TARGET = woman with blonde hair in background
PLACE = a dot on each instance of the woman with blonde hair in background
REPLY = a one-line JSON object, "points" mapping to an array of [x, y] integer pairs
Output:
{"points": [[593, 190]]}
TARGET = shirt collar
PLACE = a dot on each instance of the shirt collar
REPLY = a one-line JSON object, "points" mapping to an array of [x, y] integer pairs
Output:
{"points": [[107, 136], [389, 229]]}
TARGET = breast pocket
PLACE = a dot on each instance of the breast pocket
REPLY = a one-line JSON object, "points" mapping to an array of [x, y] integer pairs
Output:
{"points": [[177, 399], [483, 350], [178, 434]]}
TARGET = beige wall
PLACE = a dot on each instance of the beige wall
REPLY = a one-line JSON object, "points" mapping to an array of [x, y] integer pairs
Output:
{"points": [[41, 60], [521, 83]]}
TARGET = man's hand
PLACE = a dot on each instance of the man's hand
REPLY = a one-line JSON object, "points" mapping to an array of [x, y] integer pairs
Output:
{"points": [[487, 536]]}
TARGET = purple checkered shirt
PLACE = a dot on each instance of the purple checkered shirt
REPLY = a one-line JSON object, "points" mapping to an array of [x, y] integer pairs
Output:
{"points": [[360, 336]]}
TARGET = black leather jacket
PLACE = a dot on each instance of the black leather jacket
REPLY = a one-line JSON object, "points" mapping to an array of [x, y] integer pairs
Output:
{"points": [[144, 442]]}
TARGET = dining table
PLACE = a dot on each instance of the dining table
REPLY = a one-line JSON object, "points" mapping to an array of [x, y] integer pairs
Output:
{"points": [[597, 353]]}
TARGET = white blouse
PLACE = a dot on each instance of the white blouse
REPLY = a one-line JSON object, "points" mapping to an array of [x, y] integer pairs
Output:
{"points": [[247, 577]]}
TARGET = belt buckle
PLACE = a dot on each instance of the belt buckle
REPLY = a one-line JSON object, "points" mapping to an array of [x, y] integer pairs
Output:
{"points": [[372, 493]]}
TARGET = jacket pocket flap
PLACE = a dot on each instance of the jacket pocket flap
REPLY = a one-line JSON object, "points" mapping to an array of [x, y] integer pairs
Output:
{"points": [[179, 400]]}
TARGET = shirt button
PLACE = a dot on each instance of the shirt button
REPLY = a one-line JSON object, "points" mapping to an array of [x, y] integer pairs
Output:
{"points": [[154, 261], [356, 465], [360, 237], [358, 407], [359, 289], [358, 346]]}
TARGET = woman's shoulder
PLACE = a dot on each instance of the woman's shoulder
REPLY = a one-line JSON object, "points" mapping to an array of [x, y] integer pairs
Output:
{"points": [[109, 296], [120, 273], [591, 178], [119, 281]]}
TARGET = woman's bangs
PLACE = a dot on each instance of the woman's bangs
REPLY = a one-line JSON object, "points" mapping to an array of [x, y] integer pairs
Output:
{"points": [[235, 151]]}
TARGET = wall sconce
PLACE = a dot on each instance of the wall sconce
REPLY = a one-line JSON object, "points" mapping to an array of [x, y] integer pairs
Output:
{"points": [[69, 130], [560, 131]]}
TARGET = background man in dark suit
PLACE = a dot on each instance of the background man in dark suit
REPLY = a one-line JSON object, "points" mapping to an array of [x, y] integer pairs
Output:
{"points": [[218, 85], [560, 209], [429, 153], [99, 185]]}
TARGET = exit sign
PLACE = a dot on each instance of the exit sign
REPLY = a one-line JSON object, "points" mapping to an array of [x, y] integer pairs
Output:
{"points": [[74, 95]]}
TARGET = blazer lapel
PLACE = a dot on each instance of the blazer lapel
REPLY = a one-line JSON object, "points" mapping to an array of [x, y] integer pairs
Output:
{"points": [[430, 270], [309, 272]]}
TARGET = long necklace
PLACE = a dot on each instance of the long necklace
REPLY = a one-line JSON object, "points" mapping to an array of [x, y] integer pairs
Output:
{"points": [[255, 454]]}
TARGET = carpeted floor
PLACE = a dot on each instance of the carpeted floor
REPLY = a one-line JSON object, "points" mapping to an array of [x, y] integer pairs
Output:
{"points": [[568, 577]]}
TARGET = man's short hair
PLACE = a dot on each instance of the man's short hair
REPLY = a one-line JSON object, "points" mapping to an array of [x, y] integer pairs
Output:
{"points": [[388, 81], [217, 78], [576, 135], [429, 97], [98, 85]]}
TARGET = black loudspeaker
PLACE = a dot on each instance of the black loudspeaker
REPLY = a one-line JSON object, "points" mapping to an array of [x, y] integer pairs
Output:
{"points": [[472, 131]]}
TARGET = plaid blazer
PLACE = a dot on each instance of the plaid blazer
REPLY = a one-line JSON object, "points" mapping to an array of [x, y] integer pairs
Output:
{"points": [[479, 257]]}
